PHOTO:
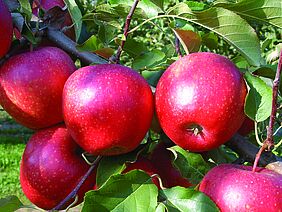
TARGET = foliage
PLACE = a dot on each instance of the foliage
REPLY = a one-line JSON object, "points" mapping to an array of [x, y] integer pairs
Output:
{"points": [[248, 32]]}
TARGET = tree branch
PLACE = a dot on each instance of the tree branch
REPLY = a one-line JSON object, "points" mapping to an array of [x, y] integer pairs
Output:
{"points": [[269, 143], [126, 29], [76, 189], [68, 45], [248, 151]]}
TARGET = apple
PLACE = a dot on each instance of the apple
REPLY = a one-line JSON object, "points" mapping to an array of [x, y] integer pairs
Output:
{"points": [[31, 86], [237, 188], [200, 101], [145, 165], [107, 108], [51, 167], [162, 160], [6, 26], [247, 127]]}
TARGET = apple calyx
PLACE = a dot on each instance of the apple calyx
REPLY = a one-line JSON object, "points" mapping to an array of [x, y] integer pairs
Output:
{"points": [[196, 129]]}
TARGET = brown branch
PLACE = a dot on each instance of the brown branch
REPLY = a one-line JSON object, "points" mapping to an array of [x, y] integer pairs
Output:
{"points": [[68, 45], [75, 190], [248, 151], [126, 29], [269, 143]]}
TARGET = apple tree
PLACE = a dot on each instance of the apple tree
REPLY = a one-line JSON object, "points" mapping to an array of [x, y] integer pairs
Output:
{"points": [[145, 105]]}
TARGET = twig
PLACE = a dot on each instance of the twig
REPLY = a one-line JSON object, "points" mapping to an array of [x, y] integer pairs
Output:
{"points": [[269, 143], [75, 190], [126, 29], [177, 46], [248, 151], [60, 39]]}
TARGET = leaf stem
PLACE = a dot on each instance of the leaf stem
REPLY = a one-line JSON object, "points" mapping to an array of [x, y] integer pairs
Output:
{"points": [[177, 46], [76, 189], [126, 29], [268, 142]]}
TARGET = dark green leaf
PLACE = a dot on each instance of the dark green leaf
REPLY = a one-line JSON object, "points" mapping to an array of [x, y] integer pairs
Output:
{"points": [[269, 11], [221, 155], [181, 199], [159, 3], [133, 47], [191, 165], [148, 60], [133, 191], [91, 45], [76, 16], [26, 9], [109, 166], [10, 204], [227, 24], [210, 40], [259, 99], [152, 77]]}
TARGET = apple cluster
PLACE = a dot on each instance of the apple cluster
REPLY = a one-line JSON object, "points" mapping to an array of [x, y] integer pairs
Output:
{"points": [[108, 109]]}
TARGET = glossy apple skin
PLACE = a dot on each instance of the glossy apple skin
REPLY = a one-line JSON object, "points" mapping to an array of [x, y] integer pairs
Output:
{"points": [[31, 86], [51, 167], [201, 89], [237, 188], [162, 160], [107, 108], [247, 127], [145, 165], [6, 26]]}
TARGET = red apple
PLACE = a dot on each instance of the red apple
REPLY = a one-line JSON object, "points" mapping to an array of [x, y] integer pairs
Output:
{"points": [[107, 108], [247, 127], [237, 188], [31, 86], [200, 101], [6, 26], [162, 160], [51, 167], [145, 165]]}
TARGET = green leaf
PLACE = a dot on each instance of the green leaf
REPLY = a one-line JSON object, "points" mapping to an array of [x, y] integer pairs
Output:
{"points": [[91, 45], [161, 207], [259, 99], [196, 6], [149, 60], [133, 191], [159, 3], [10, 204], [76, 16], [187, 199], [26, 9], [269, 11], [191, 165], [210, 40], [227, 24], [133, 47], [149, 8], [109, 166]]}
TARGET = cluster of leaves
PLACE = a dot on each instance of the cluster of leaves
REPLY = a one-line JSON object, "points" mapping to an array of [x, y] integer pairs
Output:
{"points": [[247, 31]]}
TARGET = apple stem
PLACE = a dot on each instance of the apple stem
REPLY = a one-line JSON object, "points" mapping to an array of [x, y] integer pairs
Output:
{"points": [[126, 29], [75, 190], [269, 143], [177, 46]]}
